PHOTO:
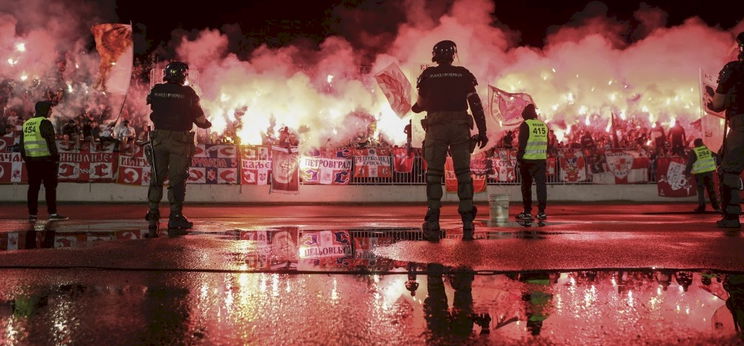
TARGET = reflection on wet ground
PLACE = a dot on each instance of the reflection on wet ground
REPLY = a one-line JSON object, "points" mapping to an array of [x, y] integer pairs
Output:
{"points": [[424, 303], [308, 286]]}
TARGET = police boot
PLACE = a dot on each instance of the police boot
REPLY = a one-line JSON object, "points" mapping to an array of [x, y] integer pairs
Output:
{"points": [[728, 222], [431, 229], [179, 222], [153, 215], [153, 219], [467, 224]]}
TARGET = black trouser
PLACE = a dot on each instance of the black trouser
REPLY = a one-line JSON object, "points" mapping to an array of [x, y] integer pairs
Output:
{"points": [[704, 181], [529, 170], [731, 167], [42, 171]]}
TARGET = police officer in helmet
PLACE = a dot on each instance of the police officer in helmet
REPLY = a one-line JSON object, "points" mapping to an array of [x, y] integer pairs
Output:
{"points": [[730, 96], [175, 108], [445, 92]]}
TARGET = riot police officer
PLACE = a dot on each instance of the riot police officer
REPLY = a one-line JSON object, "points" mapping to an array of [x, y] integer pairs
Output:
{"points": [[532, 156], [730, 96], [445, 91], [175, 108], [701, 162]]}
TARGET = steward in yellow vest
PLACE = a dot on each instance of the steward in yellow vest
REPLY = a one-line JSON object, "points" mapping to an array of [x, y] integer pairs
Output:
{"points": [[532, 155], [701, 162], [39, 150]]}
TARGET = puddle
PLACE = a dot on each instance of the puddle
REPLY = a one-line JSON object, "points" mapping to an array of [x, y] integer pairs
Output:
{"points": [[423, 303]]}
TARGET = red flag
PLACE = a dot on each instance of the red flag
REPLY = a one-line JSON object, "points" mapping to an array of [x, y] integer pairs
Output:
{"points": [[403, 162], [396, 88], [506, 106], [114, 45], [285, 173]]}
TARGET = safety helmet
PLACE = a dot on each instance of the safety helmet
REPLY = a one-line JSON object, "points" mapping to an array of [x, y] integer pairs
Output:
{"points": [[176, 72], [444, 51]]}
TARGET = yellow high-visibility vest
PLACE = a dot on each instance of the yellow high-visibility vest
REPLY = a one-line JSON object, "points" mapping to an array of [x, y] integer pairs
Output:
{"points": [[537, 143], [33, 143], [704, 162]]}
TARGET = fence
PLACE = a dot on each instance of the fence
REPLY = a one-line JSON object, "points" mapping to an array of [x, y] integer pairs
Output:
{"points": [[417, 176]]}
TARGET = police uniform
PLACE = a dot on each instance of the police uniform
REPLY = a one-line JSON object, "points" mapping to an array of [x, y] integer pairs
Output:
{"points": [[175, 108], [39, 151], [702, 163], [532, 156], [448, 130], [445, 92], [731, 83]]}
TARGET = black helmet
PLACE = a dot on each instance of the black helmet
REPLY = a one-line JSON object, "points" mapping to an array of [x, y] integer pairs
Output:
{"points": [[444, 51], [176, 72]]}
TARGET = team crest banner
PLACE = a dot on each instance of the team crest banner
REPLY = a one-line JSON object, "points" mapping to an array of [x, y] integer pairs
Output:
{"points": [[372, 163], [325, 171]]}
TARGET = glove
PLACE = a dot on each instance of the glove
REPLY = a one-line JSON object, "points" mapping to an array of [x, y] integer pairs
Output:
{"points": [[482, 140]]}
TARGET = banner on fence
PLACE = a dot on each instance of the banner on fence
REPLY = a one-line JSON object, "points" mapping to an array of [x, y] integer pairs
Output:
{"points": [[85, 166], [214, 164], [504, 163], [325, 171], [573, 166], [623, 167], [133, 170], [285, 173], [403, 160], [671, 179], [478, 169], [12, 168], [372, 163], [255, 172]]}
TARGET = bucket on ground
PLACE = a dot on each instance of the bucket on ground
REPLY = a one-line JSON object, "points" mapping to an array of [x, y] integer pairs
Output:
{"points": [[499, 207]]}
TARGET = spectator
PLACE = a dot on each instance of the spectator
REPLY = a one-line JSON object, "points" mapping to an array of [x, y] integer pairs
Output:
{"points": [[125, 135], [507, 141], [70, 134], [657, 134], [678, 139]]}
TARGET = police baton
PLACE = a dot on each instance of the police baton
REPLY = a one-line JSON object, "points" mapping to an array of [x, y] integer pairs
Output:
{"points": [[150, 156]]}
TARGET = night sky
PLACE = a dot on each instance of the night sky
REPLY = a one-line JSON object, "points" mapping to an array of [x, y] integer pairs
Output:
{"points": [[282, 22]]}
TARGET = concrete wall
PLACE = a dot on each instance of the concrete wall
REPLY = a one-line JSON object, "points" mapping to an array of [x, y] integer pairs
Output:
{"points": [[76, 192]]}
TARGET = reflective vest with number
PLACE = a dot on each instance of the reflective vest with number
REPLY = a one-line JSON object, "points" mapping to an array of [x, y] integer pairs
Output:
{"points": [[33, 143], [537, 143], [704, 162]]}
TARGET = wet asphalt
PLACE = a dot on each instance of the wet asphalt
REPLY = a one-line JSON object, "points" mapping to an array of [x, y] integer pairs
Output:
{"points": [[350, 275]]}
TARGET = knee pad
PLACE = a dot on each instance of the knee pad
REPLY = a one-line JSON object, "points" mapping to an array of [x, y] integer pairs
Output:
{"points": [[432, 178]]}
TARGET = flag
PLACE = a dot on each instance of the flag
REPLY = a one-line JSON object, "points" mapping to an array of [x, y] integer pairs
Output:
{"points": [[506, 106], [708, 85], [396, 88], [623, 167], [114, 45], [697, 125], [403, 161], [285, 173]]}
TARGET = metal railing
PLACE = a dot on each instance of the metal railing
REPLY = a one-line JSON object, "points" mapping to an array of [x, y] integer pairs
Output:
{"points": [[417, 176]]}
